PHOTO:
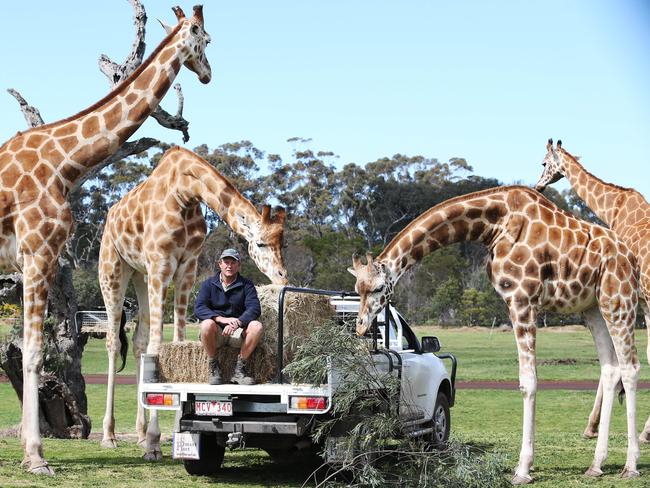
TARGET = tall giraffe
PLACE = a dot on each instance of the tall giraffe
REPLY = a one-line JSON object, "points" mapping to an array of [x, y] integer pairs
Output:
{"points": [[154, 235], [540, 257], [39, 167], [626, 212]]}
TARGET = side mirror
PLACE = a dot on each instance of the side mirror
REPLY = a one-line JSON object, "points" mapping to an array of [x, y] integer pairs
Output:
{"points": [[430, 344]]}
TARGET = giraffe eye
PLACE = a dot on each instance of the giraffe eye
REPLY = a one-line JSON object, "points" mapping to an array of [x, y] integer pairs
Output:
{"points": [[378, 289], [261, 244]]}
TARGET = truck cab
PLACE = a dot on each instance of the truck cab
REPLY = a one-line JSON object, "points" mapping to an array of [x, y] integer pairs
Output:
{"points": [[280, 416]]}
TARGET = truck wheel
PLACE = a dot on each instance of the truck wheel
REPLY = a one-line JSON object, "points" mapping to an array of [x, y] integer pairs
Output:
{"points": [[211, 457], [441, 423]]}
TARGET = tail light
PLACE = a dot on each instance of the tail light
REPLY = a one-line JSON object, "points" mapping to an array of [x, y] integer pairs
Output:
{"points": [[308, 403], [162, 399]]}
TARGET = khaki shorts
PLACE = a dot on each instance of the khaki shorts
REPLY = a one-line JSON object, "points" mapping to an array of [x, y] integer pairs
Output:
{"points": [[236, 339]]}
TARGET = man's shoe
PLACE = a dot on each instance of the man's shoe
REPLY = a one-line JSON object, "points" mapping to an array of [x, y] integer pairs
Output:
{"points": [[214, 377], [240, 375]]}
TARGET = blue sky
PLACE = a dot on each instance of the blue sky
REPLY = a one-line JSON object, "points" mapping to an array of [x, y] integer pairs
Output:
{"points": [[487, 81]]}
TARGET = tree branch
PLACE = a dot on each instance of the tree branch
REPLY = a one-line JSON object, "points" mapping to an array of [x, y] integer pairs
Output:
{"points": [[31, 114], [116, 73]]}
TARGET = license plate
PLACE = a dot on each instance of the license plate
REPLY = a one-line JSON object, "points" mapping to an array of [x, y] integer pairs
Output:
{"points": [[185, 445], [219, 408]]}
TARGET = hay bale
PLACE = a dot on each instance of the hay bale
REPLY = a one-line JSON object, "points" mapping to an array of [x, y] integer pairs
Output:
{"points": [[187, 362]]}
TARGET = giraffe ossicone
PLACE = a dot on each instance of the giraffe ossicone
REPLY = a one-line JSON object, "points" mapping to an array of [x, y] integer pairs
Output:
{"points": [[540, 258], [40, 166]]}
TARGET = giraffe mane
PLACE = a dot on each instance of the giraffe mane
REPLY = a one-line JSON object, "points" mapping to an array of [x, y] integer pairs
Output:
{"points": [[218, 174], [451, 201], [576, 159], [120, 88]]}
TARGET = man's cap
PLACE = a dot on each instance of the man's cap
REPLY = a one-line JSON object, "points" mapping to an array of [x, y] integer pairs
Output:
{"points": [[230, 253]]}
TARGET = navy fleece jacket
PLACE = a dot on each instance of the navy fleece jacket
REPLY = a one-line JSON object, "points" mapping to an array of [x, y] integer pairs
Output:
{"points": [[239, 301]]}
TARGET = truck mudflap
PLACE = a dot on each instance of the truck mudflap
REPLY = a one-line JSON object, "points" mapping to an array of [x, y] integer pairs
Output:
{"points": [[269, 425]]}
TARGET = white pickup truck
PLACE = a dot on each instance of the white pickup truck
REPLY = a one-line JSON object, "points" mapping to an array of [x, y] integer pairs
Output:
{"points": [[280, 416]]}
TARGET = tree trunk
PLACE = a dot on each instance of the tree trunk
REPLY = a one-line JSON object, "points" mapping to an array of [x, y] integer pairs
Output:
{"points": [[63, 407]]}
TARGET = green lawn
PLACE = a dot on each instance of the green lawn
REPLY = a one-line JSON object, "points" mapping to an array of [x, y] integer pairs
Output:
{"points": [[485, 355], [488, 419]]}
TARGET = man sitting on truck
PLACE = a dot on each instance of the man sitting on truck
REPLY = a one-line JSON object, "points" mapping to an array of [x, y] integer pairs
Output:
{"points": [[228, 308]]}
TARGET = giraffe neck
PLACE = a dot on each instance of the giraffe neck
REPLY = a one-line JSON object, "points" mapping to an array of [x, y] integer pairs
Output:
{"points": [[76, 144], [604, 199], [456, 220], [209, 186]]}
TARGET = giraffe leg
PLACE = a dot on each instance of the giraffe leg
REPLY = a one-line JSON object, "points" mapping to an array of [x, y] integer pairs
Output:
{"points": [[525, 334], [591, 430], [157, 287], [621, 326], [609, 378], [645, 433], [37, 276], [114, 276], [184, 279], [140, 341]]}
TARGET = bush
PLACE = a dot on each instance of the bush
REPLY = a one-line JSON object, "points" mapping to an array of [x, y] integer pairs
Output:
{"points": [[9, 310]]}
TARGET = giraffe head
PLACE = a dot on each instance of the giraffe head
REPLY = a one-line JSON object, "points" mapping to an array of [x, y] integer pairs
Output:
{"points": [[553, 166], [193, 40], [265, 245], [374, 286]]}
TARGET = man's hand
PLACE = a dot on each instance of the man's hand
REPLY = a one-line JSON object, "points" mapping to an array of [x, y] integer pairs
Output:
{"points": [[231, 324]]}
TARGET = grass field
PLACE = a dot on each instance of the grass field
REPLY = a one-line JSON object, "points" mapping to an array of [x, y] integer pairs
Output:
{"points": [[489, 419]]}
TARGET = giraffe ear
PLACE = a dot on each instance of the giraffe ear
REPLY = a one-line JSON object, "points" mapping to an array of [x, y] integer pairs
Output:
{"points": [[168, 28], [198, 14], [352, 272], [180, 15]]}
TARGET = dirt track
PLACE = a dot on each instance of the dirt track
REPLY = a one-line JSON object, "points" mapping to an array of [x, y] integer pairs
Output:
{"points": [[100, 379]]}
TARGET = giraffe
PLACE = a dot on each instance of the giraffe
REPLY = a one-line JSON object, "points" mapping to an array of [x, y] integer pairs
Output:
{"points": [[39, 167], [540, 257], [626, 212], [154, 235]]}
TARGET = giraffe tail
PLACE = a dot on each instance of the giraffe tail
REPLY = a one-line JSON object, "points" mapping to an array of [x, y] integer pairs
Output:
{"points": [[621, 392], [124, 341]]}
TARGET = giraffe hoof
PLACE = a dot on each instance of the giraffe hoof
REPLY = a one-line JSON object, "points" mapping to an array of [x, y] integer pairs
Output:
{"points": [[593, 473], [153, 456], [42, 468], [589, 434], [518, 479], [629, 473], [109, 443]]}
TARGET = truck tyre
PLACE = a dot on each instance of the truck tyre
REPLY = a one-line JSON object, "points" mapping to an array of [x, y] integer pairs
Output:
{"points": [[211, 457], [441, 423]]}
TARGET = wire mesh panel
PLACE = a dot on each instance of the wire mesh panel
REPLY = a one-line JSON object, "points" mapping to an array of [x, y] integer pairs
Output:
{"points": [[94, 321]]}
